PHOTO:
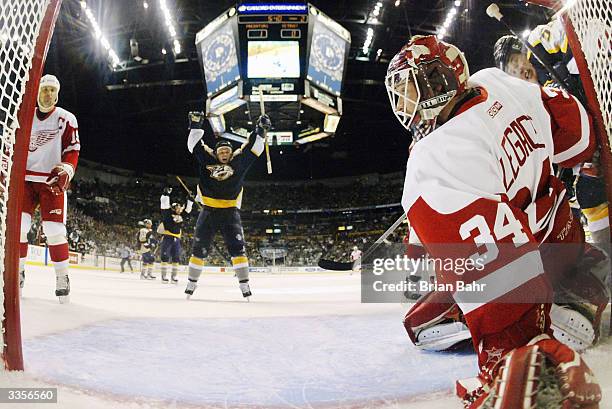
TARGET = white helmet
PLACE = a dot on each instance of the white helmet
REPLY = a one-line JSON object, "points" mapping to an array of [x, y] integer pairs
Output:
{"points": [[48, 80]]}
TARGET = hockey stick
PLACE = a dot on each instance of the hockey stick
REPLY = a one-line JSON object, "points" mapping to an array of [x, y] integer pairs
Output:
{"points": [[189, 193], [347, 266], [262, 108]]}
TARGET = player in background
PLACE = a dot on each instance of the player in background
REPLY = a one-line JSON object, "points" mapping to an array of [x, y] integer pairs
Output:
{"points": [[170, 247], [511, 57], [493, 196], [221, 177], [550, 40], [356, 255], [52, 160], [146, 246], [125, 253]]}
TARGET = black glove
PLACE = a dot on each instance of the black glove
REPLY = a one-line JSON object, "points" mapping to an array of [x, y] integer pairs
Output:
{"points": [[263, 124], [167, 190], [196, 119]]}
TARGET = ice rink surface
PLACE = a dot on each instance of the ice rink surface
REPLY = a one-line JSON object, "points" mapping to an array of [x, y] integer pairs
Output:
{"points": [[304, 341]]}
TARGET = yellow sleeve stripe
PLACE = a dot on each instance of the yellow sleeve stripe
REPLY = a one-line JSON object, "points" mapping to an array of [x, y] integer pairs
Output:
{"points": [[167, 233]]}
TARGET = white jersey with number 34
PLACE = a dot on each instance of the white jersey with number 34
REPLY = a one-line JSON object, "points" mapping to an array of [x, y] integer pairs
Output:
{"points": [[486, 177]]}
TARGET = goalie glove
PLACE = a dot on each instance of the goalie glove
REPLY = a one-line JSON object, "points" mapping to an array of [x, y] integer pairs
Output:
{"points": [[60, 178]]}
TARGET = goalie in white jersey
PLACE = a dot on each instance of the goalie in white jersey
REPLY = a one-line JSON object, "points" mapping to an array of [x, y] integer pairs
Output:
{"points": [[52, 160], [480, 185]]}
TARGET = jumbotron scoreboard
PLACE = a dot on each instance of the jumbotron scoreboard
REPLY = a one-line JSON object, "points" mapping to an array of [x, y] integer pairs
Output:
{"points": [[291, 53]]}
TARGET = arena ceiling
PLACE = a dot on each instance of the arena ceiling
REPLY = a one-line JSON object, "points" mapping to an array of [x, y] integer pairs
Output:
{"points": [[135, 117]]}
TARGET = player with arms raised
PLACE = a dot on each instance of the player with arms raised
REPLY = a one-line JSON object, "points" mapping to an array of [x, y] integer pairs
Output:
{"points": [[52, 161], [480, 184], [222, 172]]}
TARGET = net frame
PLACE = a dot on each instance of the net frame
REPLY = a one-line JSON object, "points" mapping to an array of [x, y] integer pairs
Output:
{"points": [[578, 18], [29, 24]]}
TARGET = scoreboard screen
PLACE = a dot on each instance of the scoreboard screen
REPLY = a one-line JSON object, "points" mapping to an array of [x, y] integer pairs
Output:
{"points": [[329, 46], [273, 59], [219, 58]]}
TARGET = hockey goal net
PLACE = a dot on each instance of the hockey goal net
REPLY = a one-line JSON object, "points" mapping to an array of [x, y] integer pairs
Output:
{"points": [[26, 27], [588, 24]]}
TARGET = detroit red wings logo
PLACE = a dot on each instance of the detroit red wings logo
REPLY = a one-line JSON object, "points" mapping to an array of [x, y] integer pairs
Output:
{"points": [[42, 137]]}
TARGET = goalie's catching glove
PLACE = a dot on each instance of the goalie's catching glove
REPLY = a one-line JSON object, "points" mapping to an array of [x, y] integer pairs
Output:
{"points": [[60, 178]]}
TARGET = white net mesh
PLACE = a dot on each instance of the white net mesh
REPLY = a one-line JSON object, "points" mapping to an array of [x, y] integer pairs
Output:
{"points": [[20, 23], [592, 21]]}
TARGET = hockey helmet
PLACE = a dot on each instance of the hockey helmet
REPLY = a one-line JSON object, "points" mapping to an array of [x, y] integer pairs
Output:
{"points": [[504, 48], [421, 80], [48, 80], [223, 144]]}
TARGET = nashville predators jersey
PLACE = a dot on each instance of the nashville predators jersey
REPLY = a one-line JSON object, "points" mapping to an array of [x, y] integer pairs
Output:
{"points": [[220, 185]]}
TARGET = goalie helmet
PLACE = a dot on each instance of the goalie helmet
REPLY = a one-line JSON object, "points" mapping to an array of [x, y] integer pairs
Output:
{"points": [[421, 79]]}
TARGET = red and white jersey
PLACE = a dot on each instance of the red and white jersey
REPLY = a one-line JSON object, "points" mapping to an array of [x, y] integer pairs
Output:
{"points": [[355, 254], [54, 139], [485, 177]]}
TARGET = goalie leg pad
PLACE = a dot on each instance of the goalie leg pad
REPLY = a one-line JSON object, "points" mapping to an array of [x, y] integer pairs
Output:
{"points": [[543, 374]]}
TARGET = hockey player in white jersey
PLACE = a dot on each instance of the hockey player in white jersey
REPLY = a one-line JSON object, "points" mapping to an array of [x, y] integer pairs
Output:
{"points": [[480, 185], [52, 160]]}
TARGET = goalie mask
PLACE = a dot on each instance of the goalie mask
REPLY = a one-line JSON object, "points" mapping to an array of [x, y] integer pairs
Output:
{"points": [[421, 80], [48, 91]]}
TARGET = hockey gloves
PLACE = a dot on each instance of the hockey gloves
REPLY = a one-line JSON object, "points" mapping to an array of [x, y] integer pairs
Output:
{"points": [[60, 177], [196, 120], [263, 124]]}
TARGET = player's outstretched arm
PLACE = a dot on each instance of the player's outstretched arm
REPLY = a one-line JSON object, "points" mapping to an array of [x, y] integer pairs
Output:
{"points": [[254, 146], [195, 140]]}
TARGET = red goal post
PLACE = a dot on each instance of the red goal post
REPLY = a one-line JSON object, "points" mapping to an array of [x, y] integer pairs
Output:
{"points": [[26, 28], [588, 24]]}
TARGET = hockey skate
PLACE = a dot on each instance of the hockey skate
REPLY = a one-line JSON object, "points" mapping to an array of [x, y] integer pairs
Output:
{"points": [[246, 290], [62, 288], [143, 275], [191, 286], [174, 280]]}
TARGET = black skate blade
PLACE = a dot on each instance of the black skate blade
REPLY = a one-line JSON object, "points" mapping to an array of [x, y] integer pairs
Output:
{"points": [[335, 265]]}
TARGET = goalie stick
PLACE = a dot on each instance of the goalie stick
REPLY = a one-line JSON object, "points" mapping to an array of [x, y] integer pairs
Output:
{"points": [[347, 266]]}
